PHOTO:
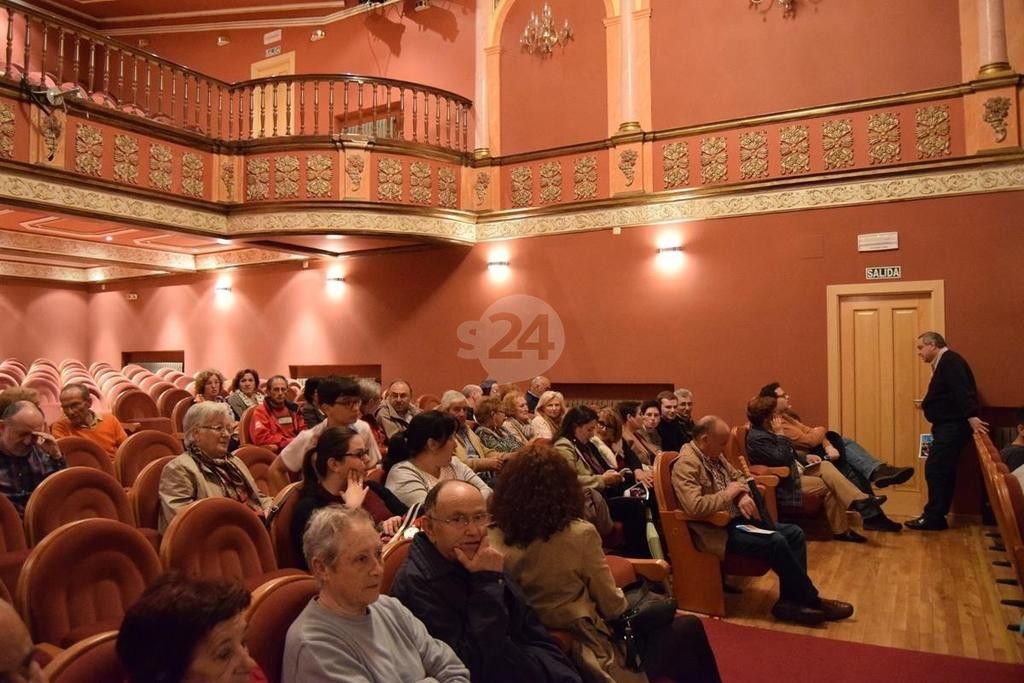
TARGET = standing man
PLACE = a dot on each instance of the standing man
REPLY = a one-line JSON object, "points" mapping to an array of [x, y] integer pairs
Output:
{"points": [[79, 420], [276, 421], [951, 405]]}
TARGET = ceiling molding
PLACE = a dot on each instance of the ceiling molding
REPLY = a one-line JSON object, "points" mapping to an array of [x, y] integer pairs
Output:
{"points": [[382, 222], [91, 252], [239, 257]]}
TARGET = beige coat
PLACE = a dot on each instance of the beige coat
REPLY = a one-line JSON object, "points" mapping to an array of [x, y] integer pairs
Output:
{"points": [[695, 490], [182, 483], [481, 450]]}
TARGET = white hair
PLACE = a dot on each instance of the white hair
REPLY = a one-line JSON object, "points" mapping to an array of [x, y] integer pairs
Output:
{"points": [[200, 414], [449, 397]]}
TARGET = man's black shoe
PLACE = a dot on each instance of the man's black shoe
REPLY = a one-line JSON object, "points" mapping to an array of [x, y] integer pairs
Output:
{"points": [[836, 610], [887, 475], [922, 523], [865, 504], [881, 523], [800, 614], [850, 536]]}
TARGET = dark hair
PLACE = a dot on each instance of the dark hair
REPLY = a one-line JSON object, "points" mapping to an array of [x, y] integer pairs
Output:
{"points": [[430, 424], [309, 388], [627, 409], [161, 631], [536, 496], [1019, 415], [272, 379], [576, 417], [665, 396], [769, 389], [333, 443], [236, 382], [760, 410], [611, 421], [650, 404], [82, 390], [333, 387]]}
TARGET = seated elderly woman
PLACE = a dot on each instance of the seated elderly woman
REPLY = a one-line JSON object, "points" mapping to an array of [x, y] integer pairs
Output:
{"points": [[209, 385], [490, 416], [349, 631], [334, 473], [205, 469], [517, 425], [557, 559], [549, 414], [184, 629], [423, 455], [245, 392]]}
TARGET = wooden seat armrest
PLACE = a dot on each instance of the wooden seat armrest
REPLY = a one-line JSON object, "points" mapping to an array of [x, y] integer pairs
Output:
{"points": [[768, 480], [652, 570], [780, 472], [720, 518]]}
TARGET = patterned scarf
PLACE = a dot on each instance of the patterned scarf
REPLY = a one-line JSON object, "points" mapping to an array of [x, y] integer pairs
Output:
{"points": [[231, 479]]}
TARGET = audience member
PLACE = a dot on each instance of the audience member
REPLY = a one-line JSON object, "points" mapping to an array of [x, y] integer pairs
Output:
{"points": [[209, 385], [276, 421], [951, 405], [183, 630], [848, 456], [350, 632], [557, 559], [311, 413], [685, 411], [335, 474], [28, 454], [633, 433], [1013, 453], [808, 474], [473, 394], [80, 420], [397, 410], [610, 438], [651, 413], [245, 392], [550, 409], [14, 394], [205, 469], [490, 417], [670, 427], [517, 423], [341, 402], [538, 386], [17, 653], [705, 483], [370, 395], [454, 582], [423, 455], [483, 460]]}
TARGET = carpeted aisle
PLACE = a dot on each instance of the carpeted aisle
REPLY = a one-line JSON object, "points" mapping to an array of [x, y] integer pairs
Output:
{"points": [[747, 655]]}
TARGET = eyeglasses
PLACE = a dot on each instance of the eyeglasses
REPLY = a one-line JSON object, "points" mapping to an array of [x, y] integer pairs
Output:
{"points": [[221, 429], [603, 424], [348, 401], [361, 453], [463, 521]]}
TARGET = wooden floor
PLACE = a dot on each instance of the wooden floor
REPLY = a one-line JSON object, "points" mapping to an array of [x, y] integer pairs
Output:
{"points": [[932, 592]]}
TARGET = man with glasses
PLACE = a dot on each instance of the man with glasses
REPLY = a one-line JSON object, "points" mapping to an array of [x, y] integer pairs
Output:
{"points": [[341, 403], [276, 421], [453, 581], [28, 454], [80, 420]]}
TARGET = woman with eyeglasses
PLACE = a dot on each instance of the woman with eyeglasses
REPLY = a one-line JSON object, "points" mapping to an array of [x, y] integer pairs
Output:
{"points": [[334, 473], [206, 469], [517, 412]]}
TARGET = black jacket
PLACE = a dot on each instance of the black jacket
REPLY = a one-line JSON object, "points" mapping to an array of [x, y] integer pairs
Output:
{"points": [[483, 616], [952, 394]]}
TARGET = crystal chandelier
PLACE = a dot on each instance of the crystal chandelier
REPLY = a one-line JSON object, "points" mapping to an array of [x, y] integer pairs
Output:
{"points": [[540, 34]]}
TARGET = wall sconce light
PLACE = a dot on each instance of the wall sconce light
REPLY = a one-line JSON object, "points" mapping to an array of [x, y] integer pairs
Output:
{"points": [[223, 288], [498, 264], [669, 250], [669, 257], [337, 279], [318, 34], [223, 40], [142, 42], [335, 283]]}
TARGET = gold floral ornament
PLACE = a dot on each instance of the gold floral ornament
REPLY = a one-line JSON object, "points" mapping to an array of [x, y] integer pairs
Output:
{"points": [[480, 185], [550, 182], [126, 159], [227, 177], [6, 131], [884, 138], [522, 186], [419, 182], [447, 194], [837, 142], [319, 175], [389, 180], [354, 166], [160, 167], [754, 155], [585, 177], [794, 150], [52, 129], [714, 157], [257, 179], [627, 164], [192, 174], [88, 150], [932, 131], [996, 111], [676, 162], [286, 177]]}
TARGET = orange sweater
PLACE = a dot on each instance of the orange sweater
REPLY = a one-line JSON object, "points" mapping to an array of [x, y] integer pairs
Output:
{"points": [[107, 433]]}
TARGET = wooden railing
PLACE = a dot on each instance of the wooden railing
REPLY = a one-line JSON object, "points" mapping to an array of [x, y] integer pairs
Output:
{"points": [[41, 50]]}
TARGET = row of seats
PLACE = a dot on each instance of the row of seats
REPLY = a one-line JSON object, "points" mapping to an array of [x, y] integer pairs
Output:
{"points": [[1007, 499]]}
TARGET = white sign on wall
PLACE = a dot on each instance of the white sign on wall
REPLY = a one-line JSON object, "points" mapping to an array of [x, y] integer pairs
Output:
{"points": [[272, 51], [878, 241], [884, 273], [272, 37]]}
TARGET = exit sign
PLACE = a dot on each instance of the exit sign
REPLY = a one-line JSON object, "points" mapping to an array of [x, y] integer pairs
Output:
{"points": [[884, 273]]}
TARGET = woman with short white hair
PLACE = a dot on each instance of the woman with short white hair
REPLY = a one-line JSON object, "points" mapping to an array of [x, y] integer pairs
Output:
{"points": [[349, 631]]}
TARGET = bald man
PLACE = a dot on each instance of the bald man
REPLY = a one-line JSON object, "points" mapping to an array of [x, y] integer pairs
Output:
{"points": [[16, 662], [28, 453]]}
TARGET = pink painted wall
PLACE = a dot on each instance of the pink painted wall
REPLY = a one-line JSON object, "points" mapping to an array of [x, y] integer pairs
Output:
{"points": [[720, 60], [41, 321]]}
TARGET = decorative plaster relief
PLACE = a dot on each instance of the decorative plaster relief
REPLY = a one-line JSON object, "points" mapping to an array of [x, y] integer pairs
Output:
{"points": [[933, 133], [160, 167], [227, 177], [419, 182], [286, 177], [627, 164], [483, 181], [837, 142], [754, 155], [794, 150], [522, 186], [319, 175], [550, 182], [192, 170], [996, 111], [88, 150], [585, 177], [714, 158], [354, 170], [6, 131], [126, 159], [447, 194], [676, 162], [389, 180], [257, 179], [884, 137]]}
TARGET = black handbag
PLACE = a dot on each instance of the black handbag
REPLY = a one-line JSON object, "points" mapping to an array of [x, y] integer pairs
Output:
{"points": [[647, 612]]}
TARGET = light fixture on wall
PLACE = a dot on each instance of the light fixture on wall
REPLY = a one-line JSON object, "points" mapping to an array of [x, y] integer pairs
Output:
{"points": [[335, 282], [336, 278], [318, 34], [499, 265], [541, 35], [223, 40], [669, 257], [788, 6], [222, 288], [669, 250]]}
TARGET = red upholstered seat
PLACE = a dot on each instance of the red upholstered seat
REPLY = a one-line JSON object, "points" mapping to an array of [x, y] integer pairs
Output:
{"points": [[144, 494], [178, 413], [259, 461], [275, 605], [140, 449], [73, 494], [170, 398], [92, 660], [394, 557], [130, 406], [81, 452], [80, 579], [281, 526], [13, 547]]}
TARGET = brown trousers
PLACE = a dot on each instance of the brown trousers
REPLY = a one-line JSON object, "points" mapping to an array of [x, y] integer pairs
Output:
{"points": [[838, 490]]}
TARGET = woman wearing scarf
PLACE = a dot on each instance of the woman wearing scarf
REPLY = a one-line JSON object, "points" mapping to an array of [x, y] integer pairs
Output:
{"points": [[205, 470]]}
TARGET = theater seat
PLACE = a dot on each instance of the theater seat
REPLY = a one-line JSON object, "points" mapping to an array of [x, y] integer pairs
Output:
{"points": [[280, 476], [178, 413], [93, 660], [140, 449], [259, 460], [243, 426], [275, 605], [170, 398], [281, 526], [395, 555], [144, 494], [80, 579], [13, 546], [220, 539], [80, 452], [73, 494], [811, 506]]}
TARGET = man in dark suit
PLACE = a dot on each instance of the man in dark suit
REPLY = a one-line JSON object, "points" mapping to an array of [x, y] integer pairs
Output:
{"points": [[951, 405]]}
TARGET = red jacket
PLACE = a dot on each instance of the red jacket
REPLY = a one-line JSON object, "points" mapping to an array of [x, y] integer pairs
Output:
{"points": [[274, 429]]}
